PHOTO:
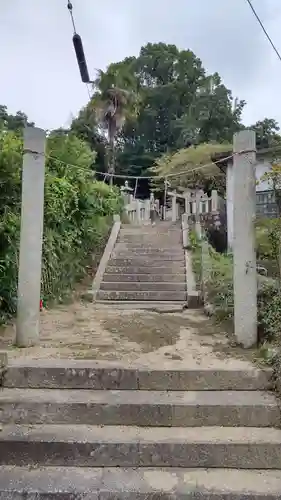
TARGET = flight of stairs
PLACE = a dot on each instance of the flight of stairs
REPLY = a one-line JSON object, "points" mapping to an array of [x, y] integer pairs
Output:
{"points": [[88, 430], [147, 264]]}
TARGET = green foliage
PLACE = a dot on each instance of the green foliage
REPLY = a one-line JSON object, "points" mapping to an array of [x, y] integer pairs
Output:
{"points": [[267, 133], [268, 238], [77, 217], [194, 242], [114, 101], [263, 245], [270, 312], [218, 285], [176, 105], [13, 122], [189, 160]]}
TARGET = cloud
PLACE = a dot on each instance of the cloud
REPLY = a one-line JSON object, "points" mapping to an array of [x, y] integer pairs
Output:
{"points": [[40, 74]]}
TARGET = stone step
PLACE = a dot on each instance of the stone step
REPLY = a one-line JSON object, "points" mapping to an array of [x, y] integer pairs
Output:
{"points": [[144, 295], [154, 270], [175, 243], [164, 307], [148, 257], [151, 253], [148, 248], [77, 483], [145, 277], [98, 375], [149, 260], [139, 408], [150, 241], [151, 229], [148, 230], [119, 446], [143, 287], [148, 263], [168, 243]]}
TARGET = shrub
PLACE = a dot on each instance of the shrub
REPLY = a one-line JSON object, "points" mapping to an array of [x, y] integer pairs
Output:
{"points": [[269, 312], [77, 217]]}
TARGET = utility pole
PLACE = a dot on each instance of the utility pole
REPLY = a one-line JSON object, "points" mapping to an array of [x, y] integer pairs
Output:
{"points": [[31, 235]]}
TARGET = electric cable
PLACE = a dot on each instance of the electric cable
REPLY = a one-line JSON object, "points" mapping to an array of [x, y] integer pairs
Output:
{"points": [[264, 29]]}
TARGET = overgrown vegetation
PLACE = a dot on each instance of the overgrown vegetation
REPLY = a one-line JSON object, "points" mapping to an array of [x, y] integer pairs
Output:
{"points": [[77, 218], [214, 273]]}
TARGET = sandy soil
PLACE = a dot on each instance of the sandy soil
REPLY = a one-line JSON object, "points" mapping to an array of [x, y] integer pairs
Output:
{"points": [[84, 330]]}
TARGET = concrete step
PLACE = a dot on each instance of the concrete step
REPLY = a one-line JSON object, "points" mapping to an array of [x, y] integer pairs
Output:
{"points": [[127, 269], [145, 277], [118, 446], [98, 375], [144, 295], [143, 287], [139, 408], [77, 483]]}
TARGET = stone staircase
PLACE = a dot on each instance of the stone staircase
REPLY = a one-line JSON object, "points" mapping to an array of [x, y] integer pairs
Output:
{"points": [[99, 431], [147, 264]]}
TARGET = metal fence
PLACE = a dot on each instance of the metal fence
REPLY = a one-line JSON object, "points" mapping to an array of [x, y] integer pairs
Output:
{"points": [[265, 204]]}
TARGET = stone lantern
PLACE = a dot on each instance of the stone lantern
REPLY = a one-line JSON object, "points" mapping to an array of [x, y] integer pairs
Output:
{"points": [[127, 192]]}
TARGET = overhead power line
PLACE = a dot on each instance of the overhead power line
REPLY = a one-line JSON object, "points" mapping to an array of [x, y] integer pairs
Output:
{"points": [[183, 172], [264, 29]]}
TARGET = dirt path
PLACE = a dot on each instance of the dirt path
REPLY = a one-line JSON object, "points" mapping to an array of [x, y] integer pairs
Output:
{"points": [[92, 331]]}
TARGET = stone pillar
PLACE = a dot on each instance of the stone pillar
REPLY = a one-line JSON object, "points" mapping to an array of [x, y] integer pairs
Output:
{"points": [[174, 207], [187, 199], [138, 212], [185, 231], [198, 229], [31, 234], [229, 204], [147, 210], [215, 201], [244, 255]]}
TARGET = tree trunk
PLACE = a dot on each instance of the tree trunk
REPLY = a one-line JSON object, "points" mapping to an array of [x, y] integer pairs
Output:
{"points": [[111, 159]]}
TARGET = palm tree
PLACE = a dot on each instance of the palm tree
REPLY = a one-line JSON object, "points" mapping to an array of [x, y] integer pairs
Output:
{"points": [[115, 100]]}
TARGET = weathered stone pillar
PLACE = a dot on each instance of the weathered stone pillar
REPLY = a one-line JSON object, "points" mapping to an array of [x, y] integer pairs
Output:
{"points": [[31, 236], [244, 255], [174, 207]]}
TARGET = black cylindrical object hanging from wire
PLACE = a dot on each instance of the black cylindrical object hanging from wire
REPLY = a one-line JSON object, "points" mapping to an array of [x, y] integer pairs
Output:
{"points": [[80, 56]]}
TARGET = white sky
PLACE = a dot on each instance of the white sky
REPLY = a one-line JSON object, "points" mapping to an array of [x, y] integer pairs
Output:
{"points": [[39, 73]]}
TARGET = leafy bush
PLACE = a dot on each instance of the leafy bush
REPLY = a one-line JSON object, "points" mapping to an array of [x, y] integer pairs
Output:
{"points": [[268, 232], [77, 217], [269, 312]]}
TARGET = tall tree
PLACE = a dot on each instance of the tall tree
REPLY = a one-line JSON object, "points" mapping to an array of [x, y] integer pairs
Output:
{"points": [[13, 122], [114, 100], [267, 133], [178, 105]]}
